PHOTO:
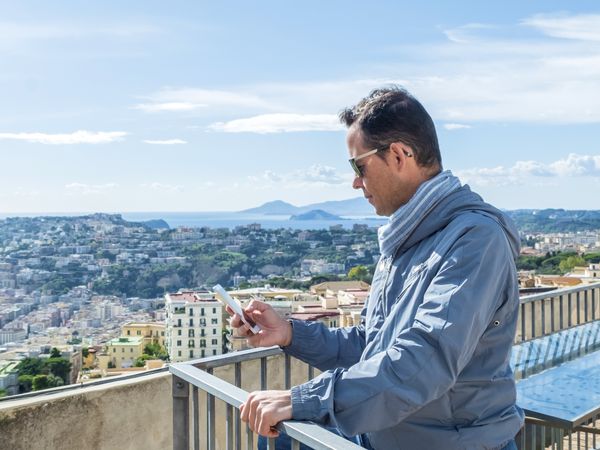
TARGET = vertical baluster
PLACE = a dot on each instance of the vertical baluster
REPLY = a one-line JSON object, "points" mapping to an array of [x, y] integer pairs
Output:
{"points": [[561, 438], [533, 319], [181, 414], [593, 304], [543, 436], [263, 374], [560, 301], [311, 372], [249, 438], [533, 433], [585, 306], [295, 444], [569, 312], [196, 420], [270, 444], [523, 322], [577, 300], [210, 419], [238, 422], [229, 427], [288, 371], [552, 312], [543, 317]]}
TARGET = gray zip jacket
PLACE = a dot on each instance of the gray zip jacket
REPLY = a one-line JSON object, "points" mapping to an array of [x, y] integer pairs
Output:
{"points": [[428, 368]]}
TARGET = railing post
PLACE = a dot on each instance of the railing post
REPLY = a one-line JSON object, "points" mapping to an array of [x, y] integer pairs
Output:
{"points": [[181, 413]]}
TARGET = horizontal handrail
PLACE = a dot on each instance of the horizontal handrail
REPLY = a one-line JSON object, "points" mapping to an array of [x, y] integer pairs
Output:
{"points": [[558, 292], [308, 433], [211, 362]]}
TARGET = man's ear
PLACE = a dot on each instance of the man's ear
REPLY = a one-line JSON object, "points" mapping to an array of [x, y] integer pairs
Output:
{"points": [[400, 153]]}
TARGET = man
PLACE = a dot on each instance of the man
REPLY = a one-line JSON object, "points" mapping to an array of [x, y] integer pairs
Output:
{"points": [[428, 368]]}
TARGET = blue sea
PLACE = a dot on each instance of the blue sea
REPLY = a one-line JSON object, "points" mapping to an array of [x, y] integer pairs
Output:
{"points": [[231, 219], [223, 219]]}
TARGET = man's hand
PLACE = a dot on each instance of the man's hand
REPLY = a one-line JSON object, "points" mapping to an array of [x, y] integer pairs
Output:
{"points": [[265, 409], [274, 329]]}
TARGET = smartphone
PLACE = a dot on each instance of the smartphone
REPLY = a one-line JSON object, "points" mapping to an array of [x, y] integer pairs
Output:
{"points": [[226, 299]]}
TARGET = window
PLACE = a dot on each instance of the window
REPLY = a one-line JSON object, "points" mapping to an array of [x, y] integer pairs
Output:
{"points": [[178, 332], [178, 352], [214, 352], [214, 331], [162, 333], [203, 322], [128, 332], [214, 310], [114, 350], [191, 311], [215, 342], [202, 353], [201, 311], [191, 343], [178, 322], [191, 322], [214, 321], [191, 353], [203, 343], [202, 333], [178, 343], [191, 333], [131, 350], [122, 350]]}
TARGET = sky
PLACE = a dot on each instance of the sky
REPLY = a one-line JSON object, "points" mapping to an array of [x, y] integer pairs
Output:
{"points": [[220, 106]]}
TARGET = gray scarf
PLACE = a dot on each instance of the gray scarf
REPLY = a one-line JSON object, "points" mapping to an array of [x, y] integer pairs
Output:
{"points": [[402, 223]]}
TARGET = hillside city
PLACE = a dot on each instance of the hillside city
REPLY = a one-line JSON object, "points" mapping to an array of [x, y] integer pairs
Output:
{"points": [[89, 297]]}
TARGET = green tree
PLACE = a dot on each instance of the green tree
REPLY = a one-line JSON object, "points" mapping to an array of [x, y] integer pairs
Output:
{"points": [[3, 393], [55, 353], [46, 381], [85, 352], [566, 265], [359, 273], [40, 382], [25, 383], [31, 366], [59, 367]]}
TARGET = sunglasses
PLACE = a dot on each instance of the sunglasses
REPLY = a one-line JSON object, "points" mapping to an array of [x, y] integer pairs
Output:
{"points": [[358, 170]]}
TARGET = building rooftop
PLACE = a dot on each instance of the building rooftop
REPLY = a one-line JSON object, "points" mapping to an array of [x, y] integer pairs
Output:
{"points": [[134, 340]]}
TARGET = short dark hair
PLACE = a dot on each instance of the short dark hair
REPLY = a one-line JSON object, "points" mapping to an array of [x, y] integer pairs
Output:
{"points": [[391, 114]]}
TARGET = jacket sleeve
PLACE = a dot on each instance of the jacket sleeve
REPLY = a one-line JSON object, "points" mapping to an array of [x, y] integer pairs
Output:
{"points": [[426, 358], [326, 348]]}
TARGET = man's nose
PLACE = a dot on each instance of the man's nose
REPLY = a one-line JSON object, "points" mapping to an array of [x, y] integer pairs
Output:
{"points": [[357, 183]]}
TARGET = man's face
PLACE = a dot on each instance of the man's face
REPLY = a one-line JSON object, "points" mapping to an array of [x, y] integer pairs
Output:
{"points": [[380, 183]]}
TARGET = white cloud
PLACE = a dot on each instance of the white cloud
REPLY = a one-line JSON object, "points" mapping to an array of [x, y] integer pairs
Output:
{"points": [[87, 189], [166, 142], [77, 137], [162, 187], [188, 99], [573, 165], [169, 106], [577, 165], [315, 175], [581, 26], [456, 126], [280, 123]]}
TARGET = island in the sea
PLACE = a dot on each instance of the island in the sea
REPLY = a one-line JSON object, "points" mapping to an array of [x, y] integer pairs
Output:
{"points": [[316, 214]]}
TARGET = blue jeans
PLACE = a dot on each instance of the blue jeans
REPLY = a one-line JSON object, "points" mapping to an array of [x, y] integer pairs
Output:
{"points": [[283, 442]]}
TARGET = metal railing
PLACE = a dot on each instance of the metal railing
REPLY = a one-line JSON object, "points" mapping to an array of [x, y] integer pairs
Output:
{"points": [[538, 434], [199, 376], [539, 315], [549, 312]]}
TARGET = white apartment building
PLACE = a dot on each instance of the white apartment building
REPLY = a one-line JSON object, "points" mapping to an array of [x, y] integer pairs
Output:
{"points": [[194, 325]]}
